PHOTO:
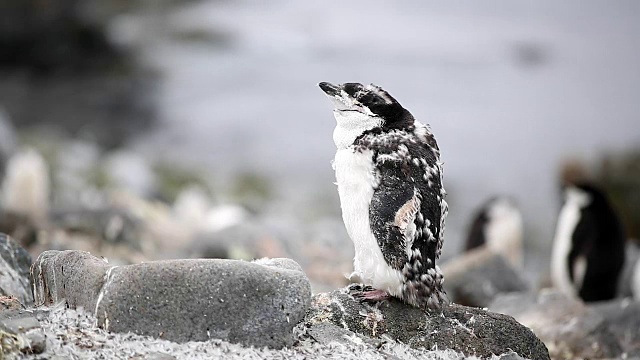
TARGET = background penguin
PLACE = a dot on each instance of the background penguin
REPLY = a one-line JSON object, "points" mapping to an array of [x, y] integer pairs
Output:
{"points": [[498, 225], [389, 178], [589, 246]]}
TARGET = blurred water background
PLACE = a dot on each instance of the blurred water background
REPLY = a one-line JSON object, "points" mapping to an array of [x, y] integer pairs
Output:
{"points": [[227, 90]]}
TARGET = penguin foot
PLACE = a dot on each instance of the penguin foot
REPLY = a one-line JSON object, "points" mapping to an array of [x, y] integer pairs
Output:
{"points": [[375, 295], [367, 293]]}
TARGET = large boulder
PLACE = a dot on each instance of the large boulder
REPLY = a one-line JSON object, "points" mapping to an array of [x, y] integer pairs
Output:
{"points": [[570, 329], [252, 303], [478, 276], [471, 331], [14, 270]]}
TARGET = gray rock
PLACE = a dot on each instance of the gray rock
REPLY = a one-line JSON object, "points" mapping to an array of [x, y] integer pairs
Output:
{"points": [[72, 334], [111, 225], [14, 270], [568, 328], [20, 332], [478, 276], [181, 300], [463, 329], [623, 317], [76, 277], [20, 227]]}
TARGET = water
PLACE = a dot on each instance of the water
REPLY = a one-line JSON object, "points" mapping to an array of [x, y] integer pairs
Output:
{"points": [[511, 89]]}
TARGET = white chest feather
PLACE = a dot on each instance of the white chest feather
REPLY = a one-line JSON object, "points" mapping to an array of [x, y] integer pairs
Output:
{"points": [[350, 125], [355, 177], [504, 232], [567, 222]]}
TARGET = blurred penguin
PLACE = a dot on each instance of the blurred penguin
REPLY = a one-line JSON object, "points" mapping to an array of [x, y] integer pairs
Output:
{"points": [[498, 225], [25, 189], [589, 247]]}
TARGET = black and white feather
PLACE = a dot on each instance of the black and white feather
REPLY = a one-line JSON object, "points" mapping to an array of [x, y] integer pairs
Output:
{"points": [[589, 247], [389, 178]]}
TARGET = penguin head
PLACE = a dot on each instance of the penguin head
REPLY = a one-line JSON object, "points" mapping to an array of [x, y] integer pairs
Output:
{"points": [[360, 108]]}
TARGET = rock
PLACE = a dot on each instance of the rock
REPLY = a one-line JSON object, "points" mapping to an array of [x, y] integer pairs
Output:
{"points": [[568, 327], [19, 227], [72, 334], [112, 225], [252, 303], [463, 329], [20, 332], [623, 317], [248, 240], [628, 276], [478, 276], [14, 270]]}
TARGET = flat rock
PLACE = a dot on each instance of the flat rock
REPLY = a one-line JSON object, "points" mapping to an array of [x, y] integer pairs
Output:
{"points": [[20, 332], [252, 303], [14, 270], [478, 276], [471, 331], [568, 327]]}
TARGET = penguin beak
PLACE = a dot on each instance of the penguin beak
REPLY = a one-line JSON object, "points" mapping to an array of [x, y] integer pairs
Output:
{"points": [[341, 100], [329, 89]]}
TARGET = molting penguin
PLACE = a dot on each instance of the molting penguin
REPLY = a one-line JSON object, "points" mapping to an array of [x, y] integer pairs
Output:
{"points": [[389, 178], [589, 246], [498, 225]]}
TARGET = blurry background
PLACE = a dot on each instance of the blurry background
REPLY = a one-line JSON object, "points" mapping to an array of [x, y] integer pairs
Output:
{"points": [[196, 128]]}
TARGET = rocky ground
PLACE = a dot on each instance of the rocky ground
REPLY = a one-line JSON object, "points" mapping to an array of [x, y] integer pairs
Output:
{"points": [[84, 307]]}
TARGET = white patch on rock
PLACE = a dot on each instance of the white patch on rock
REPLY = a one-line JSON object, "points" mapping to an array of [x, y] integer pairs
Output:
{"points": [[105, 286]]}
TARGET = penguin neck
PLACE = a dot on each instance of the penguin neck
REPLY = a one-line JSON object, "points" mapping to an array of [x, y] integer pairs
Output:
{"points": [[350, 125]]}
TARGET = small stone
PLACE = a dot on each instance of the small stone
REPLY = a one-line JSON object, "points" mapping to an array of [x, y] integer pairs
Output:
{"points": [[20, 331]]}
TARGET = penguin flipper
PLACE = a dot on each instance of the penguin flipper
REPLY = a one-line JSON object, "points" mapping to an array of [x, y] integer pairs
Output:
{"points": [[392, 211]]}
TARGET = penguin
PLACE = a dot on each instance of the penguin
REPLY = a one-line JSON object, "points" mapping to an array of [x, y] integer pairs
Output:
{"points": [[589, 246], [389, 179], [498, 226]]}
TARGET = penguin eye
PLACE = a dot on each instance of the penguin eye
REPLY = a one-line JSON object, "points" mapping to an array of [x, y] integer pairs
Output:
{"points": [[353, 89], [371, 99]]}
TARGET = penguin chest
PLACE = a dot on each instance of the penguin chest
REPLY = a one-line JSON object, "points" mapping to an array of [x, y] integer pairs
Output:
{"points": [[356, 180], [568, 220]]}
